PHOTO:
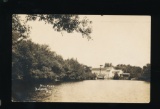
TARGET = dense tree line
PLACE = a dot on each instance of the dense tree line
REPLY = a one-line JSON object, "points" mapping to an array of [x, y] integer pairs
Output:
{"points": [[107, 65], [32, 61], [135, 71], [146, 75]]}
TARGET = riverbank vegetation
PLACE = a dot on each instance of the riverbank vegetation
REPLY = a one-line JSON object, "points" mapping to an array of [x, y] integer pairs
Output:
{"points": [[136, 71], [146, 75], [34, 62]]}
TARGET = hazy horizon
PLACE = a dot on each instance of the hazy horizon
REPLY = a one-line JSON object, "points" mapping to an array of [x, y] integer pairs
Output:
{"points": [[116, 39]]}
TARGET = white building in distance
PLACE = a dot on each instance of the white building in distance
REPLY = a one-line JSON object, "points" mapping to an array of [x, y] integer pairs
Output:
{"points": [[108, 72]]}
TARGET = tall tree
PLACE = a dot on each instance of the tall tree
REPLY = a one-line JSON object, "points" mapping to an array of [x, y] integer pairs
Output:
{"points": [[20, 30], [146, 72], [30, 60], [64, 22], [107, 65]]}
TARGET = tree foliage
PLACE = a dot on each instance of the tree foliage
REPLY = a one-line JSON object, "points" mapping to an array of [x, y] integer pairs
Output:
{"points": [[65, 22], [107, 65], [146, 72], [32, 61], [20, 31], [60, 22], [134, 71]]}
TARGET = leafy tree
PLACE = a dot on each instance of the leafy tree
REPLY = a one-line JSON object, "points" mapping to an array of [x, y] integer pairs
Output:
{"points": [[60, 22], [134, 71], [107, 65], [32, 61], [28, 57], [87, 69], [20, 31], [64, 22], [146, 72]]}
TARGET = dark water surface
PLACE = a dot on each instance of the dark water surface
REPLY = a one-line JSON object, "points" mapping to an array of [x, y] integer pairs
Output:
{"points": [[111, 91]]}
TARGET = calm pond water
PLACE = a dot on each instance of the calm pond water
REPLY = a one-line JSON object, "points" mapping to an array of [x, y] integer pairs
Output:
{"points": [[107, 91]]}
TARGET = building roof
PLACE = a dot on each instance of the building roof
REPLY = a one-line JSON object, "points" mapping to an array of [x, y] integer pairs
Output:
{"points": [[98, 69], [105, 69], [125, 73], [117, 70]]}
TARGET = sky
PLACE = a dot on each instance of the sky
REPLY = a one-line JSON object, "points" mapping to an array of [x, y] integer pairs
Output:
{"points": [[117, 39]]}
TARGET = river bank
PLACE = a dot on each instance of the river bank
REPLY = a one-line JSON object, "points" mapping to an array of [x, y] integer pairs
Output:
{"points": [[116, 91], [85, 91]]}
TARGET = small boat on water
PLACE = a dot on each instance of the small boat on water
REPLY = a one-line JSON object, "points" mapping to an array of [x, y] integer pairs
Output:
{"points": [[100, 76], [57, 80], [134, 79]]}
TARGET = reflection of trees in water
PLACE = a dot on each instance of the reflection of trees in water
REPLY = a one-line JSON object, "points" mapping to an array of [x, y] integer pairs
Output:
{"points": [[20, 90], [40, 96], [29, 95], [26, 92]]}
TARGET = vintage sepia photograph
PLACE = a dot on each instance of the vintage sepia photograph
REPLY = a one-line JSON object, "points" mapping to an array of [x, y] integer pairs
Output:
{"points": [[81, 58]]}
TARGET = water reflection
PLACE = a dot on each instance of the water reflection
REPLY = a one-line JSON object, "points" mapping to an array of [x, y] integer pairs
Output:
{"points": [[121, 91]]}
